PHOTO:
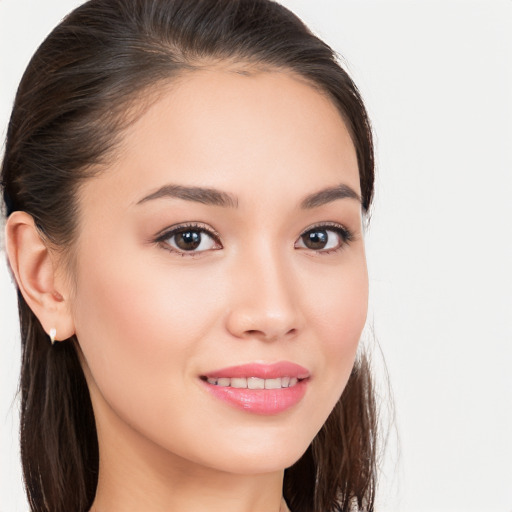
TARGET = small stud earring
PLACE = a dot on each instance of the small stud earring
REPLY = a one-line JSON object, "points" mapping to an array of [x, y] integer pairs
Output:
{"points": [[53, 333]]}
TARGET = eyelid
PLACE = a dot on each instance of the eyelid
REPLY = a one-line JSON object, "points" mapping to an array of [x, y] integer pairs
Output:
{"points": [[332, 226], [176, 228], [326, 224]]}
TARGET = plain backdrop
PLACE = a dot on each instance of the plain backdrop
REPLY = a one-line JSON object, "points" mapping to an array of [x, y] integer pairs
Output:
{"points": [[437, 80]]}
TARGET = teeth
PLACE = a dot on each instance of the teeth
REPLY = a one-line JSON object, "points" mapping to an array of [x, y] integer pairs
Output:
{"points": [[254, 382], [272, 383], [238, 383]]}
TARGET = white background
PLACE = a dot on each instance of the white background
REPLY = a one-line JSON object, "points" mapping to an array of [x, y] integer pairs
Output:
{"points": [[437, 80]]}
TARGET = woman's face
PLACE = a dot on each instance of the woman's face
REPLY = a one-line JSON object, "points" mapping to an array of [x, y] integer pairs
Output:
{"points": [[221, 252]]}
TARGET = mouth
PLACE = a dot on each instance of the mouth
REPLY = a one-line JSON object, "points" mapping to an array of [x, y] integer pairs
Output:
{"points": [[259, 388]]}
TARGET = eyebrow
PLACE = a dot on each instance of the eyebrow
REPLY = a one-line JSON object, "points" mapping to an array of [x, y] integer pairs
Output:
{"points": [[211, 196], [327, 195], [202, 195]]}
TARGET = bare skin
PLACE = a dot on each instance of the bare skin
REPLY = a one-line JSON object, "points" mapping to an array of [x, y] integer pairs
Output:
{"points": [[153, 315]]}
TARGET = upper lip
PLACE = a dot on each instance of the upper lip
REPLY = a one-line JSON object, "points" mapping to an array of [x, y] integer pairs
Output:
{"points": [[261, 370]]}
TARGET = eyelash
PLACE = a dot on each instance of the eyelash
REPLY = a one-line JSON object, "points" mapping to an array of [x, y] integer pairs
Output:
{"points": [[345, 235]]}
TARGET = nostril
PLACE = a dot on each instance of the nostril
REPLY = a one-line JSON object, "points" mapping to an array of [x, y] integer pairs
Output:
{"points": [[269, 336]]}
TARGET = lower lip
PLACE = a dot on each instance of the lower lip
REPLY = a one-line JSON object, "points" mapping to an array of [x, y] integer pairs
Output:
{"points": [[260, 401]]}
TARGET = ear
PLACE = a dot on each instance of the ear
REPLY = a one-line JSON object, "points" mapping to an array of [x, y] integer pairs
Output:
{"points": [[33, 266]]}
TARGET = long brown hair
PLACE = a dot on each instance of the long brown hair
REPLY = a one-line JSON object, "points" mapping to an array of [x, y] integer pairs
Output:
{"points": [[69, 113]]}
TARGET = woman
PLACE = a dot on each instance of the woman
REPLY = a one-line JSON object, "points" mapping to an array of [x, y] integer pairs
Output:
{"points": [[186, 185]]}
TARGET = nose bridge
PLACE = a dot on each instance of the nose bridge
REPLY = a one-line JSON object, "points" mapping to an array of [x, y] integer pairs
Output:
{"points": [[263, 303]]}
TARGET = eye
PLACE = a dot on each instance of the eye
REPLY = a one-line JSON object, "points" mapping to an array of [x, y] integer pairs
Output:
{"points": [[189, 239], [324, 238]]}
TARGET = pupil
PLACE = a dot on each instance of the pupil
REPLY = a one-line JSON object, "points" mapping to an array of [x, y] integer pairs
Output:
{"points": [[316, 239], [188, 240]]}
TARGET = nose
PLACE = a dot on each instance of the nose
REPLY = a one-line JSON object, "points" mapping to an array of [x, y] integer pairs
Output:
{"points": [[264, 301]]}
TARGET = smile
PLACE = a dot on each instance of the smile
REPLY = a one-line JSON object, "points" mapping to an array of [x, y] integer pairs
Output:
{"points": [[254, 382], [266, 389]]}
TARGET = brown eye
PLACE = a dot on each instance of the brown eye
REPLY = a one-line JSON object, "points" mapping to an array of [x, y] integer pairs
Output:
{"points": [[324, 238], [189, 240], [316, 239]]}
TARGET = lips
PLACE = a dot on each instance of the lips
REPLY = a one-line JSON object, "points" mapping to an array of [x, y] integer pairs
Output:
{"points": [[261, 371], [259, 388]]}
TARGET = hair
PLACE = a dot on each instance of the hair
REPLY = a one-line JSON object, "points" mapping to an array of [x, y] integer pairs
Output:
{"points": [[71, 108]]}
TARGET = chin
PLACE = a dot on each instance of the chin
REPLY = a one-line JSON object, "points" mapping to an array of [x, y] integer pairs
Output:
{"points": [[256, 451], [261, 461]]}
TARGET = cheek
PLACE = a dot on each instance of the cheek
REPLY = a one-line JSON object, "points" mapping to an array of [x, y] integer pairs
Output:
{"points": [[138, 325], [346, 308], [338, 300], [338, 310]]}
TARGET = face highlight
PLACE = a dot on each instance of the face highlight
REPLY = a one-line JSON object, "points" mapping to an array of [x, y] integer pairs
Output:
{"points": [[221, 275]]}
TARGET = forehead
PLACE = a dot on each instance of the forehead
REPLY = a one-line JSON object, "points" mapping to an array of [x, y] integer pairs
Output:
{"points": [[234, 131]]}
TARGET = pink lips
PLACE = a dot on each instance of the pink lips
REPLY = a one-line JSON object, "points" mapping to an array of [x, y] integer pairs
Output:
{"points": [[260, 401]]}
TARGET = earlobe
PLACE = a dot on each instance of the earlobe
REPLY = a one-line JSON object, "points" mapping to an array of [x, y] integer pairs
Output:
{"points": [[34, 270]]}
